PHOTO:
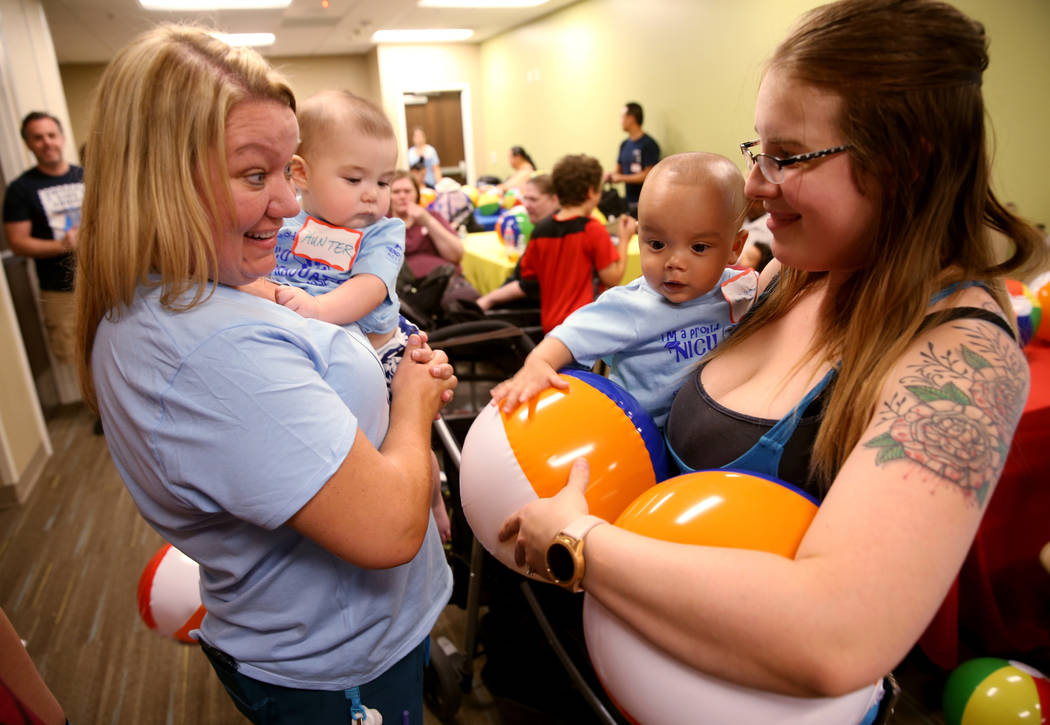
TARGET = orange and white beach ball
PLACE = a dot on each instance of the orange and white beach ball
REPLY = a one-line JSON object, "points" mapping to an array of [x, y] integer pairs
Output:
{"points": [[708, 508], [509, 460]]}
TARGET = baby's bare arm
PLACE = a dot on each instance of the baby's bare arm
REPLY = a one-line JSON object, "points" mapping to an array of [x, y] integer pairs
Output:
{"points": [[349, 302], [539, 372]]}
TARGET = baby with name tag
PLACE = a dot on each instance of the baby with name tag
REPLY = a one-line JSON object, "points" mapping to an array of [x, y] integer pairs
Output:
{"points": [[339, 258]]}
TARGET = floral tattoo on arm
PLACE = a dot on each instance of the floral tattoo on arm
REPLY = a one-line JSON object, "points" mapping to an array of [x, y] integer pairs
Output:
{"points": [[958, 415]]}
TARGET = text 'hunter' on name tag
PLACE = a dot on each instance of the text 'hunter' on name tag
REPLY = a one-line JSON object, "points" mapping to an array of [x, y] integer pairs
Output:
{"points": [[334, 246]]}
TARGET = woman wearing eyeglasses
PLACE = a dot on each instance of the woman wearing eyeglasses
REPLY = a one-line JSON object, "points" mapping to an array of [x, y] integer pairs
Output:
{"points": [[879, 373]]}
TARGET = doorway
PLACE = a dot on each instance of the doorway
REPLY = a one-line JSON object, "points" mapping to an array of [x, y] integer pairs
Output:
{"points": [[442, 115]]}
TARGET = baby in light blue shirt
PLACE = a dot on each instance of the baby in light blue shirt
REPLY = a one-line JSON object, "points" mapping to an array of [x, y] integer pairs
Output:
{"points": [[653, 330]]}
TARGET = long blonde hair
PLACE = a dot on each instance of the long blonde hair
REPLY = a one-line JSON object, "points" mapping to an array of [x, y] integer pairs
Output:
{"points": [[909, 76], [156, 145]]}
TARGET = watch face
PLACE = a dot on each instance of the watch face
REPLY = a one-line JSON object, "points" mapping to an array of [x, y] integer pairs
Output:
{"points": [[560, 562]]}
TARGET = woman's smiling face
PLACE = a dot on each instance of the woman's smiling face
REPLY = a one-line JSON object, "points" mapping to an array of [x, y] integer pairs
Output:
{"points": [[820, 219], [261, 136]]}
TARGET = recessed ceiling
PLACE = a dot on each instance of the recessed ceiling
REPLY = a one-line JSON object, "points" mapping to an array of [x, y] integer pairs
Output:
{"points": [[92, 31]]}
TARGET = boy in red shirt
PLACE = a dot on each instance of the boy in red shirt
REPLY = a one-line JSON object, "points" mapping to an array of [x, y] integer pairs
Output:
{"points": [[567, 249]]}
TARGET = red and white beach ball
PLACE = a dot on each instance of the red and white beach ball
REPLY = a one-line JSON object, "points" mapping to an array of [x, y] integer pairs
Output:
{"points": [[169, 594]]}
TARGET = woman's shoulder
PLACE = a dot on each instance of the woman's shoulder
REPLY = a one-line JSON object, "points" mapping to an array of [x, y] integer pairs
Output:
{"points": [[967, 303]]}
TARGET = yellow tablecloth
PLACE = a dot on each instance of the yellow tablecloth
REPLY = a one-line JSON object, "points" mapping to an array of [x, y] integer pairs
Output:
{"points": [[487, 265]]}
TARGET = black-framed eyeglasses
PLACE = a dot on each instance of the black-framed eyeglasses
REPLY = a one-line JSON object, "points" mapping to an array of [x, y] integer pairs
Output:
{"points": [[773, 168]]}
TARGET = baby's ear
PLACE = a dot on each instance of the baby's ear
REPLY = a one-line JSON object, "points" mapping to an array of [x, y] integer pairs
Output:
{"points": [[300, 172], [738, 245]]}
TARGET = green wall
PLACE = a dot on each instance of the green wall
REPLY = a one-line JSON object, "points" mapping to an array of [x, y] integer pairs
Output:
{"points": [[556, 86]]}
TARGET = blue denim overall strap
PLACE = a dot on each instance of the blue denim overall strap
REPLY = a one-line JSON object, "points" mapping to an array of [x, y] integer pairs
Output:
{"points": [[955, 287], [764, 456]]}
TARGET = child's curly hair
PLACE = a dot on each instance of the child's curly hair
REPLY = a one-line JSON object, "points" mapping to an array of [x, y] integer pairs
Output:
{"points": [[574, 176]]}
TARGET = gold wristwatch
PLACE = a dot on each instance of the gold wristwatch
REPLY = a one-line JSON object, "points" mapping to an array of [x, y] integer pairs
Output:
{"points": [[565, 553]]}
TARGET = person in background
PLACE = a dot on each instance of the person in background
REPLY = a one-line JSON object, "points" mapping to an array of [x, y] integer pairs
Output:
{"points": [[638, 153], [567, 250], [430, 240], [524, 167], [651, 330], [42, 221], [433, 251], [420, 150], [758, 250], [419, 173], [258, 442], [882, 331], [540, 202], [755, 256]]}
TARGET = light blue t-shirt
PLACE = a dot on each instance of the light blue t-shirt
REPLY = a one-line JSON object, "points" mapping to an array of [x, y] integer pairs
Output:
{"points": [[649, 343], [224, 420], [321, 257]]}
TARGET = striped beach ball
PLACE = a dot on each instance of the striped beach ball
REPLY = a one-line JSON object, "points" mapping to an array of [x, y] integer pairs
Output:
{"points": [[509, 460], [169, 594], [708, 508], [993, 691]]}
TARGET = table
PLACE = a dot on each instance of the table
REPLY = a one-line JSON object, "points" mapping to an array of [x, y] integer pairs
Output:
{"points": [[999, 604], [486, 263]]}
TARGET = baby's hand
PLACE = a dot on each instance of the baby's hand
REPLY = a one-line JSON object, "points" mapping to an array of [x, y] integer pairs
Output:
{"points": [[533, 378], [298, 300]]}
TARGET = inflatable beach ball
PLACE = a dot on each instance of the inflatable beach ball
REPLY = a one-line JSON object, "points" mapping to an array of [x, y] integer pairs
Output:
{"points": [[1040, 287], [169, 594], [708, 508], [1027, 308], [488, 203], [509, 460], [511, 198], [471, 192], [513, 227], [993, 691], [426, 196]]}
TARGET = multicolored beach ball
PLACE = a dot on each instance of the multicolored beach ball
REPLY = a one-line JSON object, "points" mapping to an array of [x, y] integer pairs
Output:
{"points": [[993, 691]]}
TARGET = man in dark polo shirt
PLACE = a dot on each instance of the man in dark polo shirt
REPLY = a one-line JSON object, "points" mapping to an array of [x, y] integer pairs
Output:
{"points": [[41, 220]]}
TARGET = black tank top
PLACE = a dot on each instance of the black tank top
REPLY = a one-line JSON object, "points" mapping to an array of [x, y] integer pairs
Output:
{"points": [[704, 435]]}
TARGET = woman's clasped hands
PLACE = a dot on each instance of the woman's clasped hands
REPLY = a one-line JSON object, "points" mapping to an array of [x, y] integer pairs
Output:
{"points": [[424, 374]]}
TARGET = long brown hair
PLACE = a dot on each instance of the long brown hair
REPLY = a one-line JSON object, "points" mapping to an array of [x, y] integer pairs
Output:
{"points": [[150, 207], [909, 76]]}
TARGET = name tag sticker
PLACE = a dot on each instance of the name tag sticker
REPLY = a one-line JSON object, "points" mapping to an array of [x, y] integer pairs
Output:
{"points": [[335, 247], [740, 292]]}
